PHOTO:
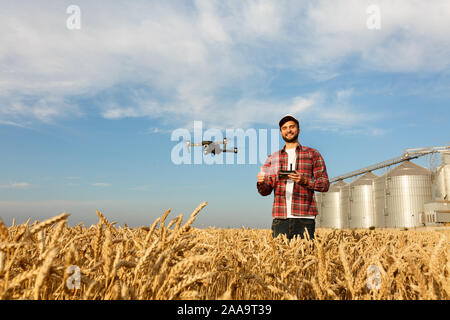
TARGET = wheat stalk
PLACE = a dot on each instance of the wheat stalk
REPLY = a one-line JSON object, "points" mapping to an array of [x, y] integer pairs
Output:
{"points": [[213, 263], [4, 234], [44, 224], [43, 272]]}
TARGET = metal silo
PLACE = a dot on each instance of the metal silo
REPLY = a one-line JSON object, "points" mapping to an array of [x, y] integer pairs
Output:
{"points": [[332, 213], [345, 206], [379, 186], [400, 195], [360, 203], [318, 196], [441, 179]]}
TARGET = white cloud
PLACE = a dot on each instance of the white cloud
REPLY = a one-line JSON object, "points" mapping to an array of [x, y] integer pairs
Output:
{"points": [[248, 111], [263, 17], [335, 112], [213, 60], [101, 184], [142, 188], [411, 38], [117, 113], [44, 108], [342, 95], [210, 22], [12, 123], [70, 184], [16, 185]]}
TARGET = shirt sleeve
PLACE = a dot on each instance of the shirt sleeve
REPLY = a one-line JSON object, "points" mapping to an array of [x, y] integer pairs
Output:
{"points": [[320, 180], [265, 188]]}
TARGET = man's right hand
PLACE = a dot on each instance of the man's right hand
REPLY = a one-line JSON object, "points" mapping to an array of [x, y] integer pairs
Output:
{"points": [[261, 175]]}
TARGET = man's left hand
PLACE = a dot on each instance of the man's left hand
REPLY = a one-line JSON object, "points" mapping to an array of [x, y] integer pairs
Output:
{"points": [[298, 178]]}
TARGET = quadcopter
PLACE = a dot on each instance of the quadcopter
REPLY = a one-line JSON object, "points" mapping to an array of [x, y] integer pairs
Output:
{"points": [[211, 147]]}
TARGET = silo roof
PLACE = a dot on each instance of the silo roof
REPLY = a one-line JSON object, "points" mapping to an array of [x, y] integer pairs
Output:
{"points": [[364, 180], [337, 186], [407, 168], [445, 158]]}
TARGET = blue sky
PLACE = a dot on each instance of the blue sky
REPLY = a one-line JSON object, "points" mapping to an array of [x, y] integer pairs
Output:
{"points": [[86, 115]]}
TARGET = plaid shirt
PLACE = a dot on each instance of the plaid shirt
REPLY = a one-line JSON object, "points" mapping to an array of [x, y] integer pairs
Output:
{"points": [[310, 164]]}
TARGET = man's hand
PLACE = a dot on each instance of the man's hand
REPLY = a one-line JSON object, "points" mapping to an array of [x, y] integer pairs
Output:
{"points": [[261, 175], [298, 178]]}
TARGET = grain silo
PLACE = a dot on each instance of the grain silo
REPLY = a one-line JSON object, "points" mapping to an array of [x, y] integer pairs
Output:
{"points": [[380, 201], [318, 197], [441, 179], [332, 215], [400, 195], [359, 201], [345, 206]]}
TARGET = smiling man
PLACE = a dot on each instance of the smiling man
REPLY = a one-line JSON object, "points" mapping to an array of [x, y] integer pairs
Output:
{"points": [[294, 207]]}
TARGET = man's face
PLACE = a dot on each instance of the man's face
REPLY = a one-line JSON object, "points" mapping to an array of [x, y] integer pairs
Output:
{"points": [[289, 131]]}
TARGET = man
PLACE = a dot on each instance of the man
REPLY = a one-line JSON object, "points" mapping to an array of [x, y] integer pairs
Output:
{"points": [[294, 207]]}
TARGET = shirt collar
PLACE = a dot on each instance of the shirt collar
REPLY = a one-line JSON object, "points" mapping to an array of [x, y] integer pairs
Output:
{"points": [[297, 149]]}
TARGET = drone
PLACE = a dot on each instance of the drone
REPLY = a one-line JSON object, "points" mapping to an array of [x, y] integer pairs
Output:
{"points": [[211, 147]]}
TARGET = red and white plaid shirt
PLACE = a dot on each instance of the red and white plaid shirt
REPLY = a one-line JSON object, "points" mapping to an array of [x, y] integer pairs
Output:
{"points": [[309, 163]]}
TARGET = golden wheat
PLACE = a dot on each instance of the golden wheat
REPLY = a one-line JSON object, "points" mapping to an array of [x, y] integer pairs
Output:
{"points": [[181, 262]]}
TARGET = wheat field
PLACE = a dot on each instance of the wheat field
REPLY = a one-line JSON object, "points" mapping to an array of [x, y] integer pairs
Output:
{"points": [[172, 260]]}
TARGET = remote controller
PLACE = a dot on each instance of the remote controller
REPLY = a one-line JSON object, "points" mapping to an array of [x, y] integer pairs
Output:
{"points": [[285, 173]]}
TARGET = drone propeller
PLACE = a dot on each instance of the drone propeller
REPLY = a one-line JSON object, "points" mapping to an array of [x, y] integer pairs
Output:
{"points": [[188, 144]]}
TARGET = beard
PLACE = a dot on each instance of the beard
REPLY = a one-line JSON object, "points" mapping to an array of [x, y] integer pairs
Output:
{"points": [[293, 139]]}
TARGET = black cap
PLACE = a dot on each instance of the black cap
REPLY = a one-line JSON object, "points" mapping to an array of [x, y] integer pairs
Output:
{"points": [[287, 118]]}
